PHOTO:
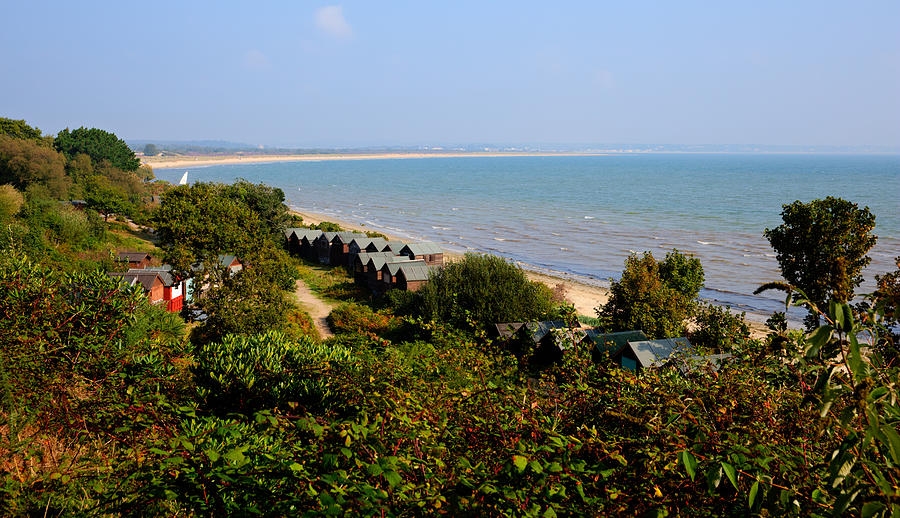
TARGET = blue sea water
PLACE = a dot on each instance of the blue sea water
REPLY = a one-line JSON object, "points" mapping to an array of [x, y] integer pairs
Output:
{"points": [[583, 215]]}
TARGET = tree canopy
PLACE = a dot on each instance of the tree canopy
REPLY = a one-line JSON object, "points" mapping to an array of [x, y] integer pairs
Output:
{"points": [[655, 297], [100, 145], [822, 245], [26, 162], [19, 129]]}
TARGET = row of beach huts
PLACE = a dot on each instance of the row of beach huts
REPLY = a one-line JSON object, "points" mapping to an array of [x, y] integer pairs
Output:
{"points": [[373, 261]]}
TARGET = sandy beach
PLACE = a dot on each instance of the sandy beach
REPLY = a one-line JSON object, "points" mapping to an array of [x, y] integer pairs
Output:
{"points": [[178, 162]]}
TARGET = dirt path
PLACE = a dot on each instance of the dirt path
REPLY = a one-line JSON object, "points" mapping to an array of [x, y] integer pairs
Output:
{"points": [[316, 308]]}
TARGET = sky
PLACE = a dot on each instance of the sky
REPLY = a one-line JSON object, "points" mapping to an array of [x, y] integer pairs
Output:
{"points": [[355, 74]]}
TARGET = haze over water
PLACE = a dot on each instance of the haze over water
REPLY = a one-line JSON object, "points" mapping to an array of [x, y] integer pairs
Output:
{"points": [[584, 215]]}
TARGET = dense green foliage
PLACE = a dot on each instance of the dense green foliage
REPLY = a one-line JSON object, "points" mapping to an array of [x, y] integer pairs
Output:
{"points": [[151, 150], [821, 247], [482, 290], [24, 163], [100, 145], [718, 328], [647, 299], [11, 202], [19, 129]]}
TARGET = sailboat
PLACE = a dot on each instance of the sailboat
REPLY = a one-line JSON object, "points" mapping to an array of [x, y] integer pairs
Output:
{"points": [[183, 179]]}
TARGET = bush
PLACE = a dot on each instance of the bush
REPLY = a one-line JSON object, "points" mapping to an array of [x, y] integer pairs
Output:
{"points": [[11, 202], [246, 373], [402, 302], [641, 299], [682, 273], [481, 290], [356, 318], [718, 328]]}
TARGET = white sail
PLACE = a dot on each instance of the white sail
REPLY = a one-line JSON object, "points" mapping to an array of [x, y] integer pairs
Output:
{"points": [[183, 179]]}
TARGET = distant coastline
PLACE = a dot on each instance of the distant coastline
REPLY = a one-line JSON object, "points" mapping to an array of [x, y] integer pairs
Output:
{"points": [[178, 162]]}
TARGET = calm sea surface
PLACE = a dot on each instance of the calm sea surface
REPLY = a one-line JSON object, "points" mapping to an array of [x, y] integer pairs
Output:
{"points": [[585, 215]]}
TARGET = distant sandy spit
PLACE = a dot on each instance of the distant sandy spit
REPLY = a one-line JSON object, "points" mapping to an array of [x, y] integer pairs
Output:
{"points": [[178, 162]]}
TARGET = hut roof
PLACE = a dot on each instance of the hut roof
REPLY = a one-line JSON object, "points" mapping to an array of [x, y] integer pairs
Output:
{"points": [[146, 278], [164, 271], [612, 342], [364, 257], [413, 270], [654, 353], [135, 257], [408, 267], [538, 330], [422, 248], [378, 262], [309, 233], [363, 242], [508, 329], [346, 237]]}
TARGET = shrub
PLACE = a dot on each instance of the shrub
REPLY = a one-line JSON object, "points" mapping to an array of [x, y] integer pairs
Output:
{"points": [[481, 290], [245, 373], [356, 318], [682, 273], [402, 302], [641, 299], [11, 201], [718, 327]]}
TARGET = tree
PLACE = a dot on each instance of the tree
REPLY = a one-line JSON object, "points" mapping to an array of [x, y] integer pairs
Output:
{"points": [[99, 145], [821, 248], [11, 201], [196, 222], [106, 200], [642, 299], [484, 290], [26, 162], [19, 129], [267, 202], [151, 150]]}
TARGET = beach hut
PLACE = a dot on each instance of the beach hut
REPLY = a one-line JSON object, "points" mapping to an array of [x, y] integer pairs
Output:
{"points": [[644, 354], [375, 270], [360, 264], [603, 345], [134, 259], [340, 247], [174, 289], [364, 244], [299, 241], [431, 253], [230, 262], [411, 275], [150, 281], [322, 246]]}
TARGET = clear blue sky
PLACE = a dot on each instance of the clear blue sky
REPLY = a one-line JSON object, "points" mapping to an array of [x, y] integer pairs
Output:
{"points": [[409, 73]]}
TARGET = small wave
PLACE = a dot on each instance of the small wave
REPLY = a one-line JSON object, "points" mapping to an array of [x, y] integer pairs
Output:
{"points": [[555, 234], [770, 255], [707, 242], [454, 208], [564, 249], [434, 227], [499, 239], [589, 217]]}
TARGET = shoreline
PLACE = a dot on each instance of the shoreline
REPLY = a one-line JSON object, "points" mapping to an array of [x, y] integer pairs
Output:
{"points": [[584, 295], [179, 162]]}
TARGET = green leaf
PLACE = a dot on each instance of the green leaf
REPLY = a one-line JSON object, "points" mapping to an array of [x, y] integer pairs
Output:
{"points": [[714, 478], [731, 473], [893, 442], [520, 462], [871, 509], [690, 463], [752, 497], [393, 478], [374, 469]]}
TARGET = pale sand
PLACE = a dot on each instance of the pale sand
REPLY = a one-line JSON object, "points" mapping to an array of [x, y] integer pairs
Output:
{"points": [[585, 297], [178, 162]]}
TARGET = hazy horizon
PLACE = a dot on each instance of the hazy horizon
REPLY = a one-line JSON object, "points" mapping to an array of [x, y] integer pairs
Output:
{"points": [[357, 75]]}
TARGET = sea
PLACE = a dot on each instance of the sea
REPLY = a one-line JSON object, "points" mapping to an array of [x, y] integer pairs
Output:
{"points": [[582, 216]]}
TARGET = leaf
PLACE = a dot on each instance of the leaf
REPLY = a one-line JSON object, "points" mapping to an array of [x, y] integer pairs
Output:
{"points": [[714, 478], [393, 478], [893, 442], [690, 463], [871, 509], [520, 462], [753, 490], [731, 473]]}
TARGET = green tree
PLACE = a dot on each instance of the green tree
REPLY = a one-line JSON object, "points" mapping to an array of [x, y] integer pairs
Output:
{"points": [[483, 290], [643, 300], [19, 129], [267, 202], [821, 248], [100, 145], [683, 273], [25, 162], [151, 150], [106, 200], [196, 222]]}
